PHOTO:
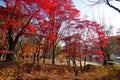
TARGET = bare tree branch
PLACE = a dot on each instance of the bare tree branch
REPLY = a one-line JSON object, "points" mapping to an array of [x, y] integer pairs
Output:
{"points": [[117, 0], [113, 6]]}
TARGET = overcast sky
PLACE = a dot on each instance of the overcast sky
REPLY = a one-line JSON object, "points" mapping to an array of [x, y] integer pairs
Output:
{"points": [[100, 11]]}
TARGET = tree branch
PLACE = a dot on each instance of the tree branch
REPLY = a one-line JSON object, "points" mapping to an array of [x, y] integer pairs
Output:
{"points": [[18, 35], [115, 8]]}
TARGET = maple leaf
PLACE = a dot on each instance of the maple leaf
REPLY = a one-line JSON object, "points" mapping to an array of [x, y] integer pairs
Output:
{"points": [[29, 2], [7, 26], [100, 52], [31, 29], [95, 24], [0, 15], [104, 45], [52, 28], [52, 37]]}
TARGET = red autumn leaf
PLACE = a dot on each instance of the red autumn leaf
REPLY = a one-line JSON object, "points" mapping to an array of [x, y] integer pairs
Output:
{"points": [[95, 24], [29, 2], [48, 4], [44, 27], [0, 16], [101, 34], [31, 29], [106, 40], [7, 26], [51, 37], [11, 24], [104, 45], [100, 52], [14, 24], [52, 28], [74, 13], [5, 51], [85, 21], [68, 7], [98, 25]]}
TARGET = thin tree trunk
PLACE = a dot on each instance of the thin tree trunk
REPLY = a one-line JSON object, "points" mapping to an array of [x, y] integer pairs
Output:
{"points": [[34, 56], [68, 61], [75, 67], [105, 59], [80, 64], [53, 54], [105, 62], [85, 63], [38, 57], [44, 57]]}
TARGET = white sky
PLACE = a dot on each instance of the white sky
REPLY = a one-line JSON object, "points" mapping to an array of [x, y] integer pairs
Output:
{"points": [[100, 11]]}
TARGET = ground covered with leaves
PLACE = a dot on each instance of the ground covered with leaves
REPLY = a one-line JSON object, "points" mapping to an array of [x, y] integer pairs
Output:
{"points": [[35, 71]]}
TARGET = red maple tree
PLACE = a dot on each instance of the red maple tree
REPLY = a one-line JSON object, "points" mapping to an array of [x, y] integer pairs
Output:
{"points": [[22, 17]]}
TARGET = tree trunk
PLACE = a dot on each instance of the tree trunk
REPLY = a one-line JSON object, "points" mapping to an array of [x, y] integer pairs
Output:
{"points": [[85, 63], [38, 54], [44, 57], [75, 67], [10, 56], [68, 62], [53, 54], [105, 62], [80, 61], [38, 57], [34, 58]]}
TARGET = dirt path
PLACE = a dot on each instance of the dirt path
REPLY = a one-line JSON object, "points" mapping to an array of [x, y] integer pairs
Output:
{"points": [[57, 62]]}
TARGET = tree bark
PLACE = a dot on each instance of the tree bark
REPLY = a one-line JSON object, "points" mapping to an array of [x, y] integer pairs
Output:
{"points": [[44, 57], [53, 54], [10, 56]]}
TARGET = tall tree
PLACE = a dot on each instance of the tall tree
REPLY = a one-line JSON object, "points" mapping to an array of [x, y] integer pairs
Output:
{"points": [[21, 17], [54, 25]]}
